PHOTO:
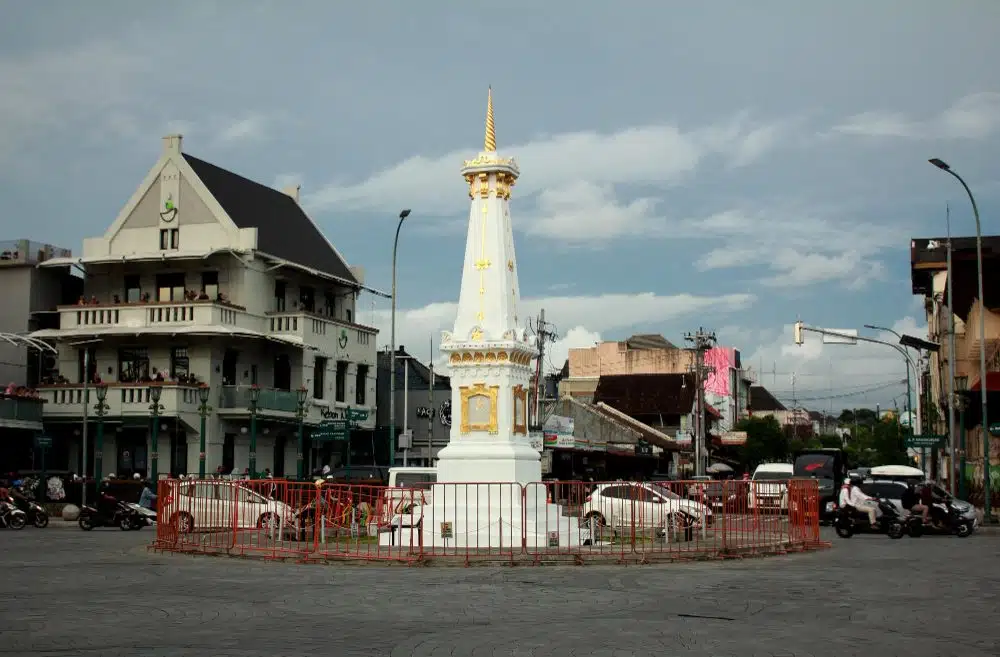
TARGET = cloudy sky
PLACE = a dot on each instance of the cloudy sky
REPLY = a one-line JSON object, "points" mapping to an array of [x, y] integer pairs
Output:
{"points": [[729, 164]]}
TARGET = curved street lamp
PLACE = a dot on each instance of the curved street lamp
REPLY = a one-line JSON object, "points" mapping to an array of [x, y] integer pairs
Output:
{"points": [[300, 416], [155, 392], [392, 352], [254, 400], [100, 409], [987, 512], [204, 392]]}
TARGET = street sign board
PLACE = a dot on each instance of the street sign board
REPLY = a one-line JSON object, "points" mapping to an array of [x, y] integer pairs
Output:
{"points": [[357, 415], [924, 442], [995, 429], [330, 430], [43, 441], [840, 336]]}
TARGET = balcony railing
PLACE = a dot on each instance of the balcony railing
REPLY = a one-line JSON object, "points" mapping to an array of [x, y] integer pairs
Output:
{"points": [[328, 334], [122, 399], [151, 315], [20, 409], [271, 399]]}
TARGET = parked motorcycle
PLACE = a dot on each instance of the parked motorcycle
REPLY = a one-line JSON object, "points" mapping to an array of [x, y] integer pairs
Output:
{"points": [[11, 516], [109, 512], [33, 512], [850, 521]]}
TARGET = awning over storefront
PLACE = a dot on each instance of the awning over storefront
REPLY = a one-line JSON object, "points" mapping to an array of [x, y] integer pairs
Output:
{"points": [[992, 383], [125, 331]]}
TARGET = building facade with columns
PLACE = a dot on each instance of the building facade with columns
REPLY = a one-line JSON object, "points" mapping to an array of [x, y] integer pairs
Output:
{"points": [[208, 279]]}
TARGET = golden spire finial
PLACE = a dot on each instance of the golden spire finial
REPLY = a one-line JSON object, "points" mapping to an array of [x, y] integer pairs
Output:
{"points": [[491, 135]]}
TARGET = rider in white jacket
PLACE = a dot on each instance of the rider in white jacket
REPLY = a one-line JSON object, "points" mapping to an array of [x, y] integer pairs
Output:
{"points": [[852, 496]]}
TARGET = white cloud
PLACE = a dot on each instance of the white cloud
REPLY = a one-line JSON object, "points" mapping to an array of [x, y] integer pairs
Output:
{"points": [[575, 317], [826, 375], [283, 180], [975, 116], [584, 213], [655, 154], [250, 127], [46, 90]]}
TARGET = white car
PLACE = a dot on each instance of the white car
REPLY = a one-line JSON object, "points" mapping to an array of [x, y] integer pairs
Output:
{"points": [[642, 505], [769, 486], [207, 505]]}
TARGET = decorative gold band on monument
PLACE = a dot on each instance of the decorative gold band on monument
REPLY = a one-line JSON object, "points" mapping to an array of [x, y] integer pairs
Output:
{"points": [[478, 357]]}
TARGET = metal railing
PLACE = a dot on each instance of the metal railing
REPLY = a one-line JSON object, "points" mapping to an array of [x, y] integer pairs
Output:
{"points": [[21, 409], [623, 522], [271, 399]]}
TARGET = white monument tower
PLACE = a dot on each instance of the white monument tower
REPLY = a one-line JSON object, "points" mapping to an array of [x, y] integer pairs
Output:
{"points": [[490, 356]]}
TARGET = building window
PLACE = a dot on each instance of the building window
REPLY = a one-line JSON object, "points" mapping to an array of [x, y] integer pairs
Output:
{"points": [[179, 363], [133, 289], [307, 298], [133, 364], [209, 285], [331, 303], [348, 313], [341, 380], [170, 287], [169, 238], [279, 296], [361, 385], [87, 372], [319, 377]]}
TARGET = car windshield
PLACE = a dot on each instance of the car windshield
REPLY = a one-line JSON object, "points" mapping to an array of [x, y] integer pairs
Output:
{"points": [[814, 465], [664, 491], [771, 476]]}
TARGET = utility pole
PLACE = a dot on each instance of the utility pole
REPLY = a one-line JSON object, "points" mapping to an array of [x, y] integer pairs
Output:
{"points": [[430, 404], [545, 333], [702, 342], [795, 411]]}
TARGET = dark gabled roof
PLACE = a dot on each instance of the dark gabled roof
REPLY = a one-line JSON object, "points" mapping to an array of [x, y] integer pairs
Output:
{"points": [[420, 374], [648, 341], [284, 230], [647, 394], [762, 400], [930, 255]]}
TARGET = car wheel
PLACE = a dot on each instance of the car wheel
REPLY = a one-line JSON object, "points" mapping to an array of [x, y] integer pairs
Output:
{"points": [[595, 518], [267, 521]]}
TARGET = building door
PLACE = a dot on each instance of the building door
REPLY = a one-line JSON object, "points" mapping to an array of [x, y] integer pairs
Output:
{"points": [[279, 456], [228, 453], [178, 453], [282, 372], [132, 453], [229, 362]]}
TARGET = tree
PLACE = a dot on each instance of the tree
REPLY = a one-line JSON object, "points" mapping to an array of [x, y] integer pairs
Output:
{"points": [[765, 441]]}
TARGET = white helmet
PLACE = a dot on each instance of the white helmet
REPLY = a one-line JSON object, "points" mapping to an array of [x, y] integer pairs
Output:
{"points": [[136, 476]]}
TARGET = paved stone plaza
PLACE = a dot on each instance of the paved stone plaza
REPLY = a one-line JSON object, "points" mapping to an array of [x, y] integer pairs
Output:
{"points": [[100, 594]]}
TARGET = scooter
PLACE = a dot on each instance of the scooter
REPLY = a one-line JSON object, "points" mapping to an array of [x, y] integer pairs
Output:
{"points": [[850, 521], [33, 511], [954, 520], [11, 516], [144, 517], [108, 512]]}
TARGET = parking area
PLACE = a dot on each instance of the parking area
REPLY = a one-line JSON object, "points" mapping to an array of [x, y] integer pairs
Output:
{"points": [[100, 593]]}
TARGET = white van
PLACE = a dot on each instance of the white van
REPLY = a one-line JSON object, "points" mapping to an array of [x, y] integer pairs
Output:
{"points": [[769, 486], [409, 490], [422, 478]]}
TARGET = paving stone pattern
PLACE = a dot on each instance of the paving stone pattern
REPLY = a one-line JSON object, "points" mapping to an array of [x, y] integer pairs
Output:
{"points": [[100, 594]]}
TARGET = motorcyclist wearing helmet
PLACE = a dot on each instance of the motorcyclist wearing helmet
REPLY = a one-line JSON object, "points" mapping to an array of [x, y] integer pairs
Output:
{"points": [[147, 499], [859, 501], [913, 502]]}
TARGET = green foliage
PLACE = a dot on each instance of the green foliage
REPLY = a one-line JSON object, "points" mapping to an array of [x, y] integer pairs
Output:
{"points": [[879, 444], [765, 441]]}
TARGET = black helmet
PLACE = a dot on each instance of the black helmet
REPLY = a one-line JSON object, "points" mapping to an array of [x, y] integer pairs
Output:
{"points": [[855, 480]]}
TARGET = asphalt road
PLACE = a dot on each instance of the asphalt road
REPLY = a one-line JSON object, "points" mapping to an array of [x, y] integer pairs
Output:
{"points": [[66, 592]]}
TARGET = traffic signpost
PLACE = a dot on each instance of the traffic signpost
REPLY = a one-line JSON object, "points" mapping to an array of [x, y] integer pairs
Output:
{"points": [[43, 443], [924, 442]]}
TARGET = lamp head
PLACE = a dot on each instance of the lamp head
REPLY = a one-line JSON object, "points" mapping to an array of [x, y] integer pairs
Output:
{"points": [[303, 395], [940, 164], [203, 392], [154, 393], [254, 394], [102, 391], [961, 383], [404, 214]]}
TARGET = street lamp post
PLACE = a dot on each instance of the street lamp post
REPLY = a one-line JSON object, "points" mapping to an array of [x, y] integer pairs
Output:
{"points": [[254, 399], [100, 409], [987, 512], [392, 344], [203, 410], [909, 393], [961, 401], [155, 391], [300, 415]]}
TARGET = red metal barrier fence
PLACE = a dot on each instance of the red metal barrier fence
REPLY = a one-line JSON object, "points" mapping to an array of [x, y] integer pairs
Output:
{"points": [[546, 521]]}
